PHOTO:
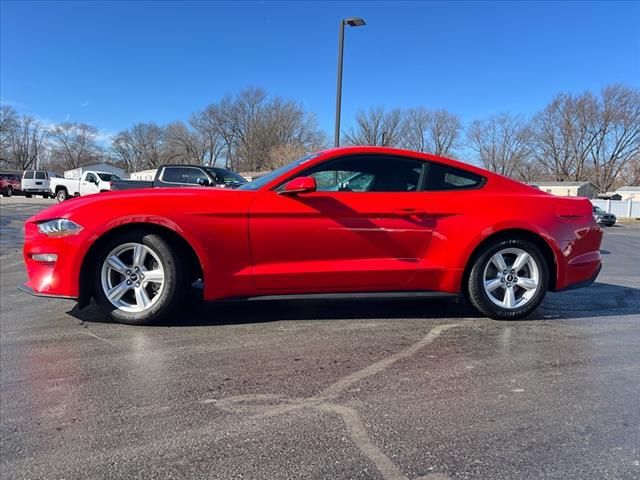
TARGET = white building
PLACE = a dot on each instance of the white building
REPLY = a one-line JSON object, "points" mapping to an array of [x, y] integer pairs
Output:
{"points": [[629, 192], [76, 173], [569, 189]]}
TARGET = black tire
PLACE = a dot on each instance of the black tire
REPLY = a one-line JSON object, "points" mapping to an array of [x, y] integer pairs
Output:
{"points": [[62, 194], [28, 195], [479, 297], [8, 192], [175, 278]]}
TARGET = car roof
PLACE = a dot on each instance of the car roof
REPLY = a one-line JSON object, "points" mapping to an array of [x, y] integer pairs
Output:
{"points": [[375, 150]]}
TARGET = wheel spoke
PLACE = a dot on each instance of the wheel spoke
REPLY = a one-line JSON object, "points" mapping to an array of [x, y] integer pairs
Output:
{"points": [[116, 293], [527, 283], [115, 263], [491, 285], [142, 299], [498, 261], [154, 276], [509, 300], [520, 262], [139, 253]]}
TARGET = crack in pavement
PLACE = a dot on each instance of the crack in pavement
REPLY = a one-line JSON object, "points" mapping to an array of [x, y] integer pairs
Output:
{"points": [[270, 405]]}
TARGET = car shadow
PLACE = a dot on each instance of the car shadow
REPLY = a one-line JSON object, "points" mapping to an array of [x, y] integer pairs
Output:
{"points": [[598, 300]]}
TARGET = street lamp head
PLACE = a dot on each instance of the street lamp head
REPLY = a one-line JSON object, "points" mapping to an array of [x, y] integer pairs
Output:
{"points": [[354, 22]]}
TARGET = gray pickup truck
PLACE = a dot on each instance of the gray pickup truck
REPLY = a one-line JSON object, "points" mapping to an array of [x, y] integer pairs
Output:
{"points": [[185, 176]]}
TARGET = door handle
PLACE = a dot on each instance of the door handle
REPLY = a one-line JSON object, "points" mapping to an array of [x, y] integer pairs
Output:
{"points": [[410, 212]]}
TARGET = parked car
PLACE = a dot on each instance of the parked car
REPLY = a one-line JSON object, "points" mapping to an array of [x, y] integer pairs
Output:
{"points": [[185, 175], [423, 225], [89, 182], [10, 184], [36, 182], [604, 218]]}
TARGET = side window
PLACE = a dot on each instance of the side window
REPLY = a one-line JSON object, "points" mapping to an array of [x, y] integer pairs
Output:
{"points": [[193, 174], [375, 173], [444, 177], [174, 174], [91, 178]]}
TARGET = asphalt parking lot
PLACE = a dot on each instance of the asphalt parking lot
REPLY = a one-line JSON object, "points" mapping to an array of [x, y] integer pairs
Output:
{"points": [[325, 389]]}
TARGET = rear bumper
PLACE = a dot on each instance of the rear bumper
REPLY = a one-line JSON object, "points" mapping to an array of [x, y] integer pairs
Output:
{"points": [[579, 260], [583, 283], [37, 191]]}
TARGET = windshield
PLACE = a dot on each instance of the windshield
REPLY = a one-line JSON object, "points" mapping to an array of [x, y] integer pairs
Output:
{"points": [[269, 177], [227, 176], [108, 177]]}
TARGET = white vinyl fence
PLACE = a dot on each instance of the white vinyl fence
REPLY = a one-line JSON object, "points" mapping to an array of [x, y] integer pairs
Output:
{"points": [[620, 208]]}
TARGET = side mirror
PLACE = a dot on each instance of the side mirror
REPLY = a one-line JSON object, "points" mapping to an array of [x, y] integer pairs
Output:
{"points": [[203, 182], [300, 185]]}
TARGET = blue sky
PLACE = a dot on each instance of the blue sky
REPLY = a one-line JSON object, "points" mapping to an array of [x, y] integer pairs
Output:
{"points": [[114, 64]]}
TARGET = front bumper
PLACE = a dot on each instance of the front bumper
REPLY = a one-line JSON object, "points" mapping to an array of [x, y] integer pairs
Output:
{"points": [[27, 289], [54, 279]]}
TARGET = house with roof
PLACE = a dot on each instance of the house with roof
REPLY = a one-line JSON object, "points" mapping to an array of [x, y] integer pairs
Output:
{"points": [[568, 189], [629, 192]]}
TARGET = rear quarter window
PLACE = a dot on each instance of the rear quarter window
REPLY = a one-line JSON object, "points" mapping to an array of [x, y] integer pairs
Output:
{"points": [[444, 177]]}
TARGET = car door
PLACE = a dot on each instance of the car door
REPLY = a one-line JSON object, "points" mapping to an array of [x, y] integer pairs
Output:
{"points": [[365, 227], [182, 176], [89, 184]]}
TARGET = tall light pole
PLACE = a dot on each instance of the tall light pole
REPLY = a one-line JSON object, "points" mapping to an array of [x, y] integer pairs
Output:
{"points": [[352, 22]]}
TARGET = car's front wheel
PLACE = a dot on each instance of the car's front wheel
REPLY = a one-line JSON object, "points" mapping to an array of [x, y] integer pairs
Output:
{"points": [[509, 279], [137, 279]]}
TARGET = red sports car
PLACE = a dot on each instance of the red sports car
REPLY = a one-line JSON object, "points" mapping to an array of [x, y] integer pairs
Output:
{"points": [[347, 221]]}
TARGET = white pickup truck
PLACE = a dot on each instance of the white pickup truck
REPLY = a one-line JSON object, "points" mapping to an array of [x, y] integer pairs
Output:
{"points": [[90, 182]]}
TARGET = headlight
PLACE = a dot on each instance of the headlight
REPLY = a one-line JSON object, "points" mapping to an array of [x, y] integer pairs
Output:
{"points": [[59, 227]]}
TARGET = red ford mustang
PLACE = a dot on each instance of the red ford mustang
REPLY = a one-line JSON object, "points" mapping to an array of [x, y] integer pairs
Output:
{"points": [[361, 220]]}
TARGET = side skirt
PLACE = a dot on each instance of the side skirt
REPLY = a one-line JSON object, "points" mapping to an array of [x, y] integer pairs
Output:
{"points": [[346, 296]]}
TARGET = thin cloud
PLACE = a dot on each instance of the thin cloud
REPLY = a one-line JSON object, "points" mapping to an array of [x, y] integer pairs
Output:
{"points": [[11, 103], [85, 104]]}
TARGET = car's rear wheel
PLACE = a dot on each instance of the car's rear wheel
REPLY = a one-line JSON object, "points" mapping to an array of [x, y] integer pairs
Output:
{"points": [[509, 279], [137, 280], [9, 192], [62, 194]]}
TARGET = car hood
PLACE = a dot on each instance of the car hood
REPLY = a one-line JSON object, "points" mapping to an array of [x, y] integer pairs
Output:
{"points": [[137, 199]]}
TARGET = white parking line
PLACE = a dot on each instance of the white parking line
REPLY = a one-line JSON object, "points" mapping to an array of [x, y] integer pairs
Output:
{"points": [[270, 405]]}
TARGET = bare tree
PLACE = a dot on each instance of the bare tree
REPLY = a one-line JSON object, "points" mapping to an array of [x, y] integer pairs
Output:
{"points": [[209, 135], [250, 129], [631, 174], [125, 152], [143, 146], [377, 127], [74, 144], [26, 143], [436, 132], [616, 134], [502, 142], [564, 133], [8, 124]]}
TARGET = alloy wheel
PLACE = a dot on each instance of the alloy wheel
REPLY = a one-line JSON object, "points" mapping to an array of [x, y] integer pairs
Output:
{"points": [[132, 277], [511, 278]]}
